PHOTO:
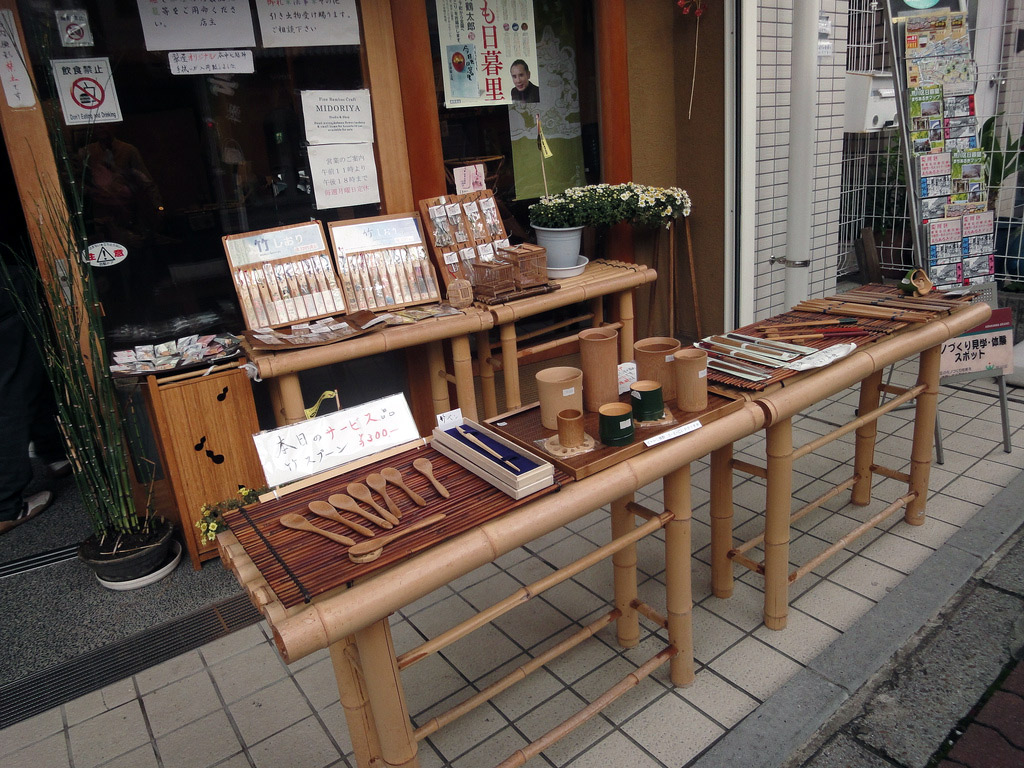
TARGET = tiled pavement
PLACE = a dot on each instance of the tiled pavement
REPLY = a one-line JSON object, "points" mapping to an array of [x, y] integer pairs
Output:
{"points": [[233, 703], [996, 736]]}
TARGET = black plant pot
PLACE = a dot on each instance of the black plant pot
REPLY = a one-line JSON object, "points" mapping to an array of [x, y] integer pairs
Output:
{"points": [[136, 561]]}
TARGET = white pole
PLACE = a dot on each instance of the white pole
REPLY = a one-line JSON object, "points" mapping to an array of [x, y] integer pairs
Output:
{"points": [[802, 109]]}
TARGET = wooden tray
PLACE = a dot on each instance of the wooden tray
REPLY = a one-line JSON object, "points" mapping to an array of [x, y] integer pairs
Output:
{"points": [[523, 427], [298, 565]]}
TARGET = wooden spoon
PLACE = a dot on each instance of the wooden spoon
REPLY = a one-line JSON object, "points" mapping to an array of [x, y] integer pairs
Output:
{"points": [[379, 484], [347, 503], [325, 510], [425, 468], [394, 477], [362, 493], [299, 523], [365, 551]]}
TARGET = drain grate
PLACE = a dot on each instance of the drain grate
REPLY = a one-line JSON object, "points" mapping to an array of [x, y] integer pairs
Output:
{"points": [[91, 671], [38, 560]]}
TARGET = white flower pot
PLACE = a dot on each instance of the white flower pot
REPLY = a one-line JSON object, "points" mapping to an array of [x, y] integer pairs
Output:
{"points": [[562, 244]]}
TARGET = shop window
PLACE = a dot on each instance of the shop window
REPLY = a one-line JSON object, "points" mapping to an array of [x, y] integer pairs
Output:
{"points": [[192, 158]]}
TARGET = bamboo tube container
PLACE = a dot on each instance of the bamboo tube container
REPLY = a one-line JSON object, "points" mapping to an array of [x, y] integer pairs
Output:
{"points": [[570, 428], [654, 360], [691, 379], [559, 388], [599, 359]]}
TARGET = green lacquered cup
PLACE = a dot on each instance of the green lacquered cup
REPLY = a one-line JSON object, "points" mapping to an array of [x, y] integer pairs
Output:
{"points": [[646, 397], [615, 423]]}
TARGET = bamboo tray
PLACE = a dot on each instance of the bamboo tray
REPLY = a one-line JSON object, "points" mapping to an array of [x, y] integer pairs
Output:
{"points": [[298, 565], [523, 427]]}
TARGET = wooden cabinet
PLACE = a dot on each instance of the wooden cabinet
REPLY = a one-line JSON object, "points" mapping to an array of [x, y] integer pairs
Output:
{"points": [[203, 427]]}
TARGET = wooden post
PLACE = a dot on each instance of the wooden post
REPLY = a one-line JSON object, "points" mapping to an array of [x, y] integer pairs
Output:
{"points": [[678, 579], [487, 392], [779, 449], [387, 700], [354, 702], [864, 455], [721, 521], [624, 574], [462, 362], [924, 428], [510, 366]]}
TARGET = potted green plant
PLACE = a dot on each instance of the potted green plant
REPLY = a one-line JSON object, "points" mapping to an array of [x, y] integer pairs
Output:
{"points": [[601, 205], [63, 315]]}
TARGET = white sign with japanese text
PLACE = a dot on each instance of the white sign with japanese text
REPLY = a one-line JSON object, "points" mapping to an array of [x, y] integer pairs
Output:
{"points": [[87, 93], [481, 43], [343, 175], [337, 117], [190, 25], [291, 23], [210, 62], [298, 450], [985, 350], [17, 85]]}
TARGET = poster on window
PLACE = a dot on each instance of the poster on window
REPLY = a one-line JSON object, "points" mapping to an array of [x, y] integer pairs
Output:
{"points": [[189, 25], [488, 52], [17, 85], [86, 89], [337, 117], [558, 110], [343, 175], [293, 23], [901, 9]]}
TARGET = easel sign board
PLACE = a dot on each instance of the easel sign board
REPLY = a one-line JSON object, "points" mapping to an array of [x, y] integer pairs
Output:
{"points": [[899, 10], [982, 352], [305, 448]]}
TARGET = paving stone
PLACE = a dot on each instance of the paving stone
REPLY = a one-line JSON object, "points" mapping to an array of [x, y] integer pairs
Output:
{"points": [[1005, 712], [941, 679], [1014, 682], [982, 747], [1009, 572], [843, 752]]}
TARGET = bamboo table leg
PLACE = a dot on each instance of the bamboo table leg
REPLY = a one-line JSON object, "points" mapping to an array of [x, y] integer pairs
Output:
{"points": [[387, 699], [624, 310], [462, 361], [438, 380], [924, 424], [286, 396], [354, 701], [678, 580], [721, 521], [624, 574], [779, 451], [483, 356], [864, 452], [510, 366]]}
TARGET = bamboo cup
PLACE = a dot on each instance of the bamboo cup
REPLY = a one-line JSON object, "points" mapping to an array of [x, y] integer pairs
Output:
{"points": [[559, 389], [616, 423], [599, 359], [646, 397], [655, 360], [691, 379], [570, 428]]}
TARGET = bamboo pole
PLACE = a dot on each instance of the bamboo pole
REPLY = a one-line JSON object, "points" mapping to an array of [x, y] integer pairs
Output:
{"points": [[892, 474], [678, 594], [750, 469], [721, 521], [867, 432], [624, 574], [510, 366], [462, 362], [438, 386], [354, 701], [779, 451], [483, 359], [624, 314], [924, 429]]}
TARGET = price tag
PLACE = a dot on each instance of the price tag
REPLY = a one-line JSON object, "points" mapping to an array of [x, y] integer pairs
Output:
{"points": [[681, 430], [449, 419]]}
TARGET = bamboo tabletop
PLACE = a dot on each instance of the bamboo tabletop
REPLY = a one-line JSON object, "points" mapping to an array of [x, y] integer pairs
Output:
{"points": [[299, 565]]}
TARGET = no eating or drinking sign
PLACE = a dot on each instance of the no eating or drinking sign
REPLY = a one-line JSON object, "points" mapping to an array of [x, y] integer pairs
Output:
{"points": [[87, 93]]}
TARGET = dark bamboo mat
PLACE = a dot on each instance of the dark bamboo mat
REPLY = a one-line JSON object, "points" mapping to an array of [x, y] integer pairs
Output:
{"points": [[299, 565], [876, 329]]}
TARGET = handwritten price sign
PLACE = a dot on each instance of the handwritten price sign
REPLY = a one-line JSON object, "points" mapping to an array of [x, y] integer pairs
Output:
{"points": [[307, 447]]}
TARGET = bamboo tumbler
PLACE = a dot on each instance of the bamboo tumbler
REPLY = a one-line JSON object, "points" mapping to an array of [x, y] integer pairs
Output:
{"points": [[599, 359], [691, 379], [559, 388], [570, 428], [655, 360]]}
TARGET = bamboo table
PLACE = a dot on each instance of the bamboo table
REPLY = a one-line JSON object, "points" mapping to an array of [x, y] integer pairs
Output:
{"points": [[353, 622], [280, 368], [865, 365], [614, 280]]}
